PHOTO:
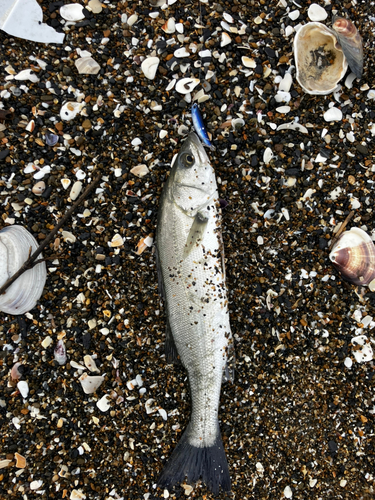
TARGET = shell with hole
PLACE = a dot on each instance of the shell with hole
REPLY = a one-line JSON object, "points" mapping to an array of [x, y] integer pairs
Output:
{"points": [[15, 245], [353, 255], [320, 62]]}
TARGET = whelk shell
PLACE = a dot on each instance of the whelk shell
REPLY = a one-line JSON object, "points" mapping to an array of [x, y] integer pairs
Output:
{"points": [[23, 294], [320, 62], [354, 256]]}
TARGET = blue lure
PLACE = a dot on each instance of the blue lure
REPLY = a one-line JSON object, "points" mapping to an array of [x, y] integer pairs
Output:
{"points": [[199, 126]]}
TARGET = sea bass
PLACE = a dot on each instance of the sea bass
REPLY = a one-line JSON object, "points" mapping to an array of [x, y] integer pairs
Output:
{"points": [[191, 278]]}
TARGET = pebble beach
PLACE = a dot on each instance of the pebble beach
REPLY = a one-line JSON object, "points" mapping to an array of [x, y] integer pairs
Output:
{"points": [[89, 408]]}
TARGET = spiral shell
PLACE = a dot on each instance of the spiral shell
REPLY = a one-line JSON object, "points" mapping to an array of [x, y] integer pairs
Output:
{"points": [[351, 44], [15, 245], [354, 256]]}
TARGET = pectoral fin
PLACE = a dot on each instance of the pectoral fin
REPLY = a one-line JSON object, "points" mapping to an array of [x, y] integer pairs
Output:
{"points": [[196, 232]]}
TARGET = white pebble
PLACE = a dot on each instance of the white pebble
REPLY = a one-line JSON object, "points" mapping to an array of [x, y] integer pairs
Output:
{"points": [[23, 387], [294, 15], [316, 13], [288, 492]]}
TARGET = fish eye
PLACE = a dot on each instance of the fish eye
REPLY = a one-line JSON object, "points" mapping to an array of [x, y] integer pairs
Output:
{"points": [[187, 160]]}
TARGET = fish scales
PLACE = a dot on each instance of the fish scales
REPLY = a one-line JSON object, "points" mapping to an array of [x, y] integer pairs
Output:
{"points": [[189, 254]]}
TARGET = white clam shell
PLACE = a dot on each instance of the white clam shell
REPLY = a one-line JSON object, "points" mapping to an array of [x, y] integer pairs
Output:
{"points": [[23, 294], [149, 67], [90, 383], [320, 64], [186, 85], [316, 13], [72, 12], [87, 66]]}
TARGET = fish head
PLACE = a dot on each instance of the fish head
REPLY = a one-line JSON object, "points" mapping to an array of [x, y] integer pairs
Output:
{"points": [[192, 181]]}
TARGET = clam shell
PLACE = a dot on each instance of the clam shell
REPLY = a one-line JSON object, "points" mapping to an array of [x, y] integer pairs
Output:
{"points": [[90, 383], [320, 63], [354, 256], [186, 85], [351, 43], [23, 294], [149, 67], [87, 66]]}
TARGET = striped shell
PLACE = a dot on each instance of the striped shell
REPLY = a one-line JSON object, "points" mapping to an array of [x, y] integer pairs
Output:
{"points": [[354, 256], [23, 294], [351, 44]]}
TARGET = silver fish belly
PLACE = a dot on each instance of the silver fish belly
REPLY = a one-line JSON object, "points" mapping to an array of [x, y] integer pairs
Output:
{"points": [[198, 330]]}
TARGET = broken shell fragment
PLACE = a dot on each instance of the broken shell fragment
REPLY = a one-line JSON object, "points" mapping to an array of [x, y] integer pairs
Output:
{"points": [[316, 13], [51, 139], [90, 363], [27, 74], [90, 384], [60, 353], [23, 387], [149, 67], [23, 294], [354, 256], [320, 63], [70, 110], [351, 44], [39, 188], [186, 85], [87, 66], [20, 461]]}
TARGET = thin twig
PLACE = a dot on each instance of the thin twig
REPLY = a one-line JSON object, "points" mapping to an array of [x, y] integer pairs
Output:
{"points": [[341, 229], [29, 262]]}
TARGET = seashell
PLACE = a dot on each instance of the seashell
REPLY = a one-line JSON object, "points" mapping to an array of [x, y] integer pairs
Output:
{"points": [[77, 495], [27, 74], [39, 188], [354, 256], [186, 85], [132, 19], [181, 52], [225, 39], [36, 484], [90, 383], [72, 12], [237, 123], [316, 13], [20, 461], [169, 26], [23, 294], [320, 63], [117, 241], [60, 353], [90, 363], [248, 62], [23, 387], [15, 372], [76, 190], [333, 114], [351, 43], [65, 182], [362, 349], [51, 139], [140, 170], [95, 6], [87, 66], [149, 67], [70, 110], [103, 403]]}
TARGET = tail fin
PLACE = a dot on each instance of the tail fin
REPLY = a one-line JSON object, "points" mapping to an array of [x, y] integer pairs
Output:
{"points": [[206, 463]]}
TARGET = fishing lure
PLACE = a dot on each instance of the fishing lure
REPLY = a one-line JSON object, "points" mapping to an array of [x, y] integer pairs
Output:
{"points": [[199, 126]]}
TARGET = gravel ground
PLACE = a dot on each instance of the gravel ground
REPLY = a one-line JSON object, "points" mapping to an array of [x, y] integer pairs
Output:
{"points": [[298, 420]]}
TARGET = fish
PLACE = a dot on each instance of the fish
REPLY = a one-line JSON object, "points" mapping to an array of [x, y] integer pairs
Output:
{"points": [[192, 282], [199, 126]]}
